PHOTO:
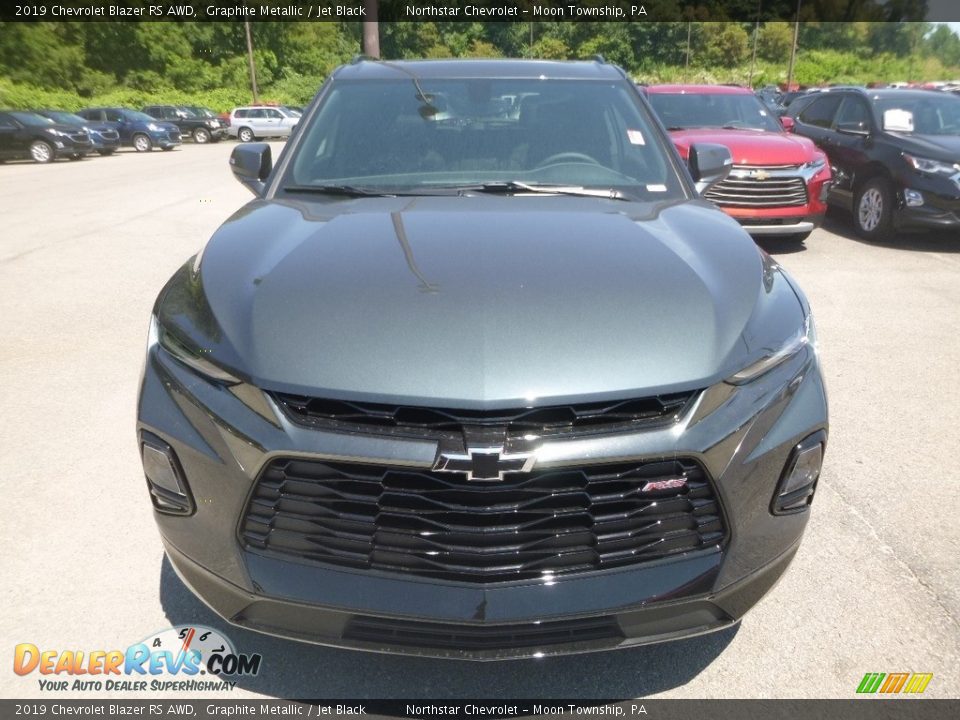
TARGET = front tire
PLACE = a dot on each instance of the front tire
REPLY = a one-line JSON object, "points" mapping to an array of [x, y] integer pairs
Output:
{"points": [[873, 210], [142, 143], [245, 134], [201, 135], [42, 152]]}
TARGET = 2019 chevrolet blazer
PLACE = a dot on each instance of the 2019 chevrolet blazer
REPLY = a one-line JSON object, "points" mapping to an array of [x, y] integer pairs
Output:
{"points": [[478, 374], [779, 182]]}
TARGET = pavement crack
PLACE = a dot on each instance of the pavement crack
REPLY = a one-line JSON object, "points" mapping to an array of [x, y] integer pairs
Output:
{"points": [[887, 547]]}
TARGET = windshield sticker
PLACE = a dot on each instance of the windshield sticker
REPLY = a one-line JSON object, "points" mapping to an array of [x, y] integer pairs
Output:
{"points": [[656, 188], [898, 120], [635, 137]]}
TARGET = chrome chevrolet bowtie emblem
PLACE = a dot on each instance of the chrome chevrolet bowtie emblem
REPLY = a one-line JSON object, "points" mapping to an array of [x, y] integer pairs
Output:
{"points": [[486, 464]]}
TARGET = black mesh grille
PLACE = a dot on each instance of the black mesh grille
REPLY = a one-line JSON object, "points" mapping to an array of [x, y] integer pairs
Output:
{"points": [[384, 631], [544, 421], [440, 525]]}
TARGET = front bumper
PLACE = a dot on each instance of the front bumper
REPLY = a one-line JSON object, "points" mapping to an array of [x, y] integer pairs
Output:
{"points": [[165, 139], [742, 436]]}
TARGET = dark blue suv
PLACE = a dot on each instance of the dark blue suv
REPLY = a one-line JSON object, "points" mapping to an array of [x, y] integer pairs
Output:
{"points": [[136, 129]]}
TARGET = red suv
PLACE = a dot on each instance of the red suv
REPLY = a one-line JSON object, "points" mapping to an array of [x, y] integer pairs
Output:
{"points": [[779, 181]]}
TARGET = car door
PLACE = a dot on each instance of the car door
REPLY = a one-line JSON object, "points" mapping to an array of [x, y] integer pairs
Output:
{"points": [[9, 140], [851, 139], [118, 122], [258, 122], [815, 121]]}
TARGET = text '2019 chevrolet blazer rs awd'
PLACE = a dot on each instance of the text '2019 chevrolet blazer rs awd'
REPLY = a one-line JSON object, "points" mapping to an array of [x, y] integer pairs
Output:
{"points": [[479, 375]]}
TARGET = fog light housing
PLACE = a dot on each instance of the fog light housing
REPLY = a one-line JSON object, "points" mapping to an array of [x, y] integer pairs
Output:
{"points": [[913, 198], [165, 479], [825, 190], [799, 480]]}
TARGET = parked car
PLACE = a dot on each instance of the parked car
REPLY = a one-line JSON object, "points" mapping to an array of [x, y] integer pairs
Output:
{"points": [[28, 135], [201, 128], [105, 139], [778, 182], [480, 384], [136, 129], [254, 122], [895, 156]]}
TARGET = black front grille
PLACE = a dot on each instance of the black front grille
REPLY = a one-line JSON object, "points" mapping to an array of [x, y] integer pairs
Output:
{"points": [[770, 188], [387, 632], [440, 525], [109, 134], [544, 421]]}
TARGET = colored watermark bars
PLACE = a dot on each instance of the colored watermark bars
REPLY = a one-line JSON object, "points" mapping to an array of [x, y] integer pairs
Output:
{"points": [[888, 683]]}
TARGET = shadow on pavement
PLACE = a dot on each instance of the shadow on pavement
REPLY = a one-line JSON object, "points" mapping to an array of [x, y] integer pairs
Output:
{"points": [[947, 241], [300, 670]]}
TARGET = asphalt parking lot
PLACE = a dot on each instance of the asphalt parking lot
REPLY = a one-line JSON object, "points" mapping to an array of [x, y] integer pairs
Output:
{"points": [[86, 246]]}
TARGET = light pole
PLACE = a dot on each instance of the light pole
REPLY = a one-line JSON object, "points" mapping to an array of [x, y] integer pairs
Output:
{"points": [[756, 34], [793, 48], [253, 68]]}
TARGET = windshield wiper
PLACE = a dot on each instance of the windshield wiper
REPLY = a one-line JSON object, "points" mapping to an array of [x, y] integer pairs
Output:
{"points": [[346, 190], [509, 187]]}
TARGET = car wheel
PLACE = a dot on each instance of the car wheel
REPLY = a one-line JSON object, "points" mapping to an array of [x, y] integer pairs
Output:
{"points": [[873, 209], [41, 152], [201, 135], [246, 135], [142, 143]]}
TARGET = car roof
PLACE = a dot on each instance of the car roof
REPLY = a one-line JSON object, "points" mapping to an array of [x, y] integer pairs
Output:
{"points": [[479, 68], [699, 90]]}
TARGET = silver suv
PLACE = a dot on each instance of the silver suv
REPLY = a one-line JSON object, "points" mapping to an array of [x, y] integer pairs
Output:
{"points": [[259, 121]]}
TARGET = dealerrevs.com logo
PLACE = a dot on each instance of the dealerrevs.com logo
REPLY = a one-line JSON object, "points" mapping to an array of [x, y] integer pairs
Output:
{"points": [[170, 660]]}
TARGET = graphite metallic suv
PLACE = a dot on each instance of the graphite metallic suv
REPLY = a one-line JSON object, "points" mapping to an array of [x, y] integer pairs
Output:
{"points": [[895, 156], [28, 135], [202, 128], [779, 182], [136, 129], [478, 374]]}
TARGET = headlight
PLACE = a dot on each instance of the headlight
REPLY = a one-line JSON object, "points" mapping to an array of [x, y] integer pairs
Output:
{"points": [[932, 167], [187, 356], [806, 335], [213, 123], [57, 133]]}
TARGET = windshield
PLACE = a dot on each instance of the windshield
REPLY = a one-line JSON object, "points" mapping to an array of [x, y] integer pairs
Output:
{"points": [[65, 117], [933, 115], [713, 110], [32, 119], [198, 111], [383, 136]]}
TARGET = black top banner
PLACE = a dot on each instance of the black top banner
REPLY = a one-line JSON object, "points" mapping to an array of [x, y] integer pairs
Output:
{"points": [[844, 11]]}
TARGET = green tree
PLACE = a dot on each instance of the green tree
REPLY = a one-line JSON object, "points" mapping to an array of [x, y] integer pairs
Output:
{"points": [[774, 41], [725, 44]]}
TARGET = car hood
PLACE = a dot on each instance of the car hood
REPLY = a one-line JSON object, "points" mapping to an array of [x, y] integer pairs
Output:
{"points": [[750, 147], [935, 147], [475, 302]]}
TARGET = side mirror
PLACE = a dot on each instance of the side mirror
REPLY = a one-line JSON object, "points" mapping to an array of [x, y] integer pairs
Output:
{"points": [[853, 128], [709, 164], [251, 164], [787, 122]]}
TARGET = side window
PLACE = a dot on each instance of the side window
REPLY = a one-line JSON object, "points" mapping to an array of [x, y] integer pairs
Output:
{"points": [[854, 114], [114, 115], [257, 114], [820, 112], [275, 114], [6, 122], [240, 114]]}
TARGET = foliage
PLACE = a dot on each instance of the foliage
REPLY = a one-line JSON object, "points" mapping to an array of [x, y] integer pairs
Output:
{"points": [[77, 64]]}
